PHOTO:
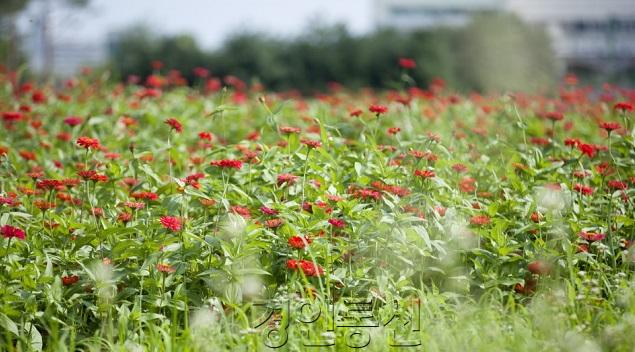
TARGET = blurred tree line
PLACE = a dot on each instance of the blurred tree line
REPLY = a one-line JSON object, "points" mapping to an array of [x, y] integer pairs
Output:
{"points": [[495, 52]]}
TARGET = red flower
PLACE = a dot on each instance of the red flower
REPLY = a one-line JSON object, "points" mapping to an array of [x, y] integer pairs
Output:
{"points": [[591, 237], [467, 184], [242, 211], [623, 106], [144, 195], [378, 109], [227, 163], [460, 168], [201, 72], [88, 143], [425, 173], [205, 136], [407, 63], [539, 267], [171, 223], [49, 184], [554, 116], [289, 129], [268, 211], [286, 178], [339, 223], [92, 175], [292, 264], [539, 141], [69, 280], [9, 231], [311, 143], [479, 220], [298, 242], [27, 155], [587, 149], [586, 190], [124, 217], [165, 268], [610, 126], [394, 130], [311, 269], [535, 217], [617, 184], [73, 121], [273, 223], [572, 142], [12, 116], [355, 112], [175, 124]]}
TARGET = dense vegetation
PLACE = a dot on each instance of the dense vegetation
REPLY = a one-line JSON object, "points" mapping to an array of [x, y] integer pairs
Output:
{"points": [[162, 217], [480, 56]]}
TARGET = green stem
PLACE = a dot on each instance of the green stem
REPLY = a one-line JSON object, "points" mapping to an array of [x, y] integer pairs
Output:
{"points": [[306, 164]]}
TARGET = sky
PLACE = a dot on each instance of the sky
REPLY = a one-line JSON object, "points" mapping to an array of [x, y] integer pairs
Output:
{"points": [[209, 21]]}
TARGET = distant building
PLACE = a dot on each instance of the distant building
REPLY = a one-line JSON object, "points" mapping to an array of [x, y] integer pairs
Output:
{"points": [[48, 52], [585, 33], [66, 58], [413, 14]]}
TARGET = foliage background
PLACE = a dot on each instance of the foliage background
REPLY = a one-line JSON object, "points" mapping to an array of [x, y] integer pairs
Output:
{"points": [[479, 56]]}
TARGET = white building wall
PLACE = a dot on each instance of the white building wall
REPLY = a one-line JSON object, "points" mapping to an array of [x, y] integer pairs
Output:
{"points": [[580, 29]]}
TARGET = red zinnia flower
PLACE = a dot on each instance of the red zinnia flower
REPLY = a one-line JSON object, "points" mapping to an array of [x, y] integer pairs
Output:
{"points": [[69, 280], [610, 126], [227, 163], [88, 143], [407, 63], [242, 211], [292, 264], [171, 223], [591, 237], [480, 220], [9, 231], [394, 130], [460, 168], [378, 109], [339, 223], [175, 124], [268, 211], [587, 149], [310, 268], [539, 267], [289, 129], [425, 173], [554, 116], [73, 121], [165, 268], [586, 190], [12, 116], [273, 223], [205, 136], [356, 112], [624, 106], [298, 242], [49, 184], [144, 195], [286, 178], [617, 184], [124, 217], [311, 143]]}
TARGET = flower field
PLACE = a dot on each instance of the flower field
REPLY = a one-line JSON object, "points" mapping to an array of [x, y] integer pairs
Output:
{"points": [[220, 216]]}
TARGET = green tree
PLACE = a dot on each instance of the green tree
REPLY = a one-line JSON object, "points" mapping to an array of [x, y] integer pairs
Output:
{"points": [[499, 52]]}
